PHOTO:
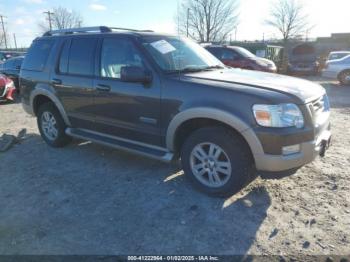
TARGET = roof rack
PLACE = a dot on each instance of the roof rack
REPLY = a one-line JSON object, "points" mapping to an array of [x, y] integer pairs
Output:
{"points": [[98, 29]]}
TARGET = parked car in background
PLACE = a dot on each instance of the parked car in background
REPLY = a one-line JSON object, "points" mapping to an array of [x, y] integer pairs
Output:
{"points": [[337, 55], [11, 69], [7, 88], [127, 89], [338, 69], [5, 55], [239, 57], [303, 60]]}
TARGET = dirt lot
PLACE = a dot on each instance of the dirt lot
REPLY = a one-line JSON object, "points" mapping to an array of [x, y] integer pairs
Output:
{"points": [[88, 199]]}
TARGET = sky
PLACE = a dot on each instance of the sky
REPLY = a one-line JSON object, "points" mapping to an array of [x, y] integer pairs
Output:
{"points": [[22, 16]]}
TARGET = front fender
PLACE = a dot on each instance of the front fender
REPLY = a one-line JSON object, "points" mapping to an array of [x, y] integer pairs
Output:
{"points": [[219, 115]]}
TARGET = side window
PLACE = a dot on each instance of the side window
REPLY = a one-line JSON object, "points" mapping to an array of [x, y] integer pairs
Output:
{"points": [[216, 52], [63, 60], [228, 55], [81, 56], [117, 53], [37, 55]]}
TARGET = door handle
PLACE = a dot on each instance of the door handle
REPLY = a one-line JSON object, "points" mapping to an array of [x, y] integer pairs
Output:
{"points": [[56, 81], [104, 88]]}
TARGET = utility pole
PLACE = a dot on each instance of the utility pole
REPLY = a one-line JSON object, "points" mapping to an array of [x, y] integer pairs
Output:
{"points": [[49, 17], [3, 29], [14, 39], [188, 17]]}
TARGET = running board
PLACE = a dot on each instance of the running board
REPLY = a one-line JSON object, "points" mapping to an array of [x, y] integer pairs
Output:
{"points": [[123, 144]]}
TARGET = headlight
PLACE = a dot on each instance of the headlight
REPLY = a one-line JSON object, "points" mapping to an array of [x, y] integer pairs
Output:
{"points": [[282, 115]]}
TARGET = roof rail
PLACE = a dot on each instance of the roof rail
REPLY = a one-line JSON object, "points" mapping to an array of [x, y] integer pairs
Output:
{"points": [[98, 29], [128, 29]]}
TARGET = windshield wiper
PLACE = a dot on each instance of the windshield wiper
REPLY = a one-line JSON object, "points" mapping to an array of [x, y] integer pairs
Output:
{"points": [[214, 67], [194, 69]]}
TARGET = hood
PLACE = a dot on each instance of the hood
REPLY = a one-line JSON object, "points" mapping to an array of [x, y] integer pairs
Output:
{"points": [[305, 90], [263, 60]]}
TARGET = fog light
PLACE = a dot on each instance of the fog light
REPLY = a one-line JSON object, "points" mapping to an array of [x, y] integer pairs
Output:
{"points": [[289, 150]]}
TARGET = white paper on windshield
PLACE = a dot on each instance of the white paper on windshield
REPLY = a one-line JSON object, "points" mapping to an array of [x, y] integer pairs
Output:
{"points": [[163, 46]]}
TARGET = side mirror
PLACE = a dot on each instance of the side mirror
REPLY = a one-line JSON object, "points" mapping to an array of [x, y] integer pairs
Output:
{"points": [[135, 74]]}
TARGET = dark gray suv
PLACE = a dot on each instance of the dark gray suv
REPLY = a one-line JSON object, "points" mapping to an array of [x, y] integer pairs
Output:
{"points": [[167, 98]]}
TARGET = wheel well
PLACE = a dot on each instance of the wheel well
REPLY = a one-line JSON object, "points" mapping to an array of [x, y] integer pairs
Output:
{"points": [[189, 126], [40, 100], [345, 70]]}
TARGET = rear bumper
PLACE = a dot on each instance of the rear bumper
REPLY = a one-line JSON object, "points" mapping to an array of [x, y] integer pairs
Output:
{"points": [[7, 93]]}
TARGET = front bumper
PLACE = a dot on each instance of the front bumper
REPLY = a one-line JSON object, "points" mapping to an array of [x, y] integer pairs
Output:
{"points": [[308, 152]]}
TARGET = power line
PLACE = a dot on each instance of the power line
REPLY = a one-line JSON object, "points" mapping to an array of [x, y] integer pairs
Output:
{"points": [[49, 18], [14, 38], [3, 29]]}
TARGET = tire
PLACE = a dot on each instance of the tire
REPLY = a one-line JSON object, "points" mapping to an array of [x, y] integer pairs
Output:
{"points": [[342, 77], [54, 139], [234, 165]]}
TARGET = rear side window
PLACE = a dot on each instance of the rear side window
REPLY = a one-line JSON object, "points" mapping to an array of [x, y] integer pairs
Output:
{"points": [[81, 56], [37, 56]]}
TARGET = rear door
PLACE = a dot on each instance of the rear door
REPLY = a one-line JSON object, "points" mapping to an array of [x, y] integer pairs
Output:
{"points": [[126, 110], [73, 79]]}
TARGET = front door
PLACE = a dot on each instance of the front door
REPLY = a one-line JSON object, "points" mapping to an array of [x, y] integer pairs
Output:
{"points": [[126, 110]]}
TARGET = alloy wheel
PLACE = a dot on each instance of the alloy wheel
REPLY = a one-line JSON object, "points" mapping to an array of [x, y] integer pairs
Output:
{"points": [[210, 164], [49, 125]]}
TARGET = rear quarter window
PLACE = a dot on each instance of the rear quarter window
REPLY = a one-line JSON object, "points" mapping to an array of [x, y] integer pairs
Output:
{"points": [[37, 55]]}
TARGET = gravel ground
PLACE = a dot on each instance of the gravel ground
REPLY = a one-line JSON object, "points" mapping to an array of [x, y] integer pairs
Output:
{"points": [[88, 199]]}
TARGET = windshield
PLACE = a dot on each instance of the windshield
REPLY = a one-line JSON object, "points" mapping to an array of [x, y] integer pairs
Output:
{"points": [[244, 52], [335, 56], [174, 54]]}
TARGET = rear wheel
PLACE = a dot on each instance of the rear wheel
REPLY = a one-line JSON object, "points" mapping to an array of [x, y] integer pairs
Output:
{"points": [[51, 126], [217, 161], [344, 77]]}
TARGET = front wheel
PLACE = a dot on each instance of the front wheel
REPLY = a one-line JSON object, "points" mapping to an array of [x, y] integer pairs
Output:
{"points": [[217, 161], [51, 126], [344, 77]]}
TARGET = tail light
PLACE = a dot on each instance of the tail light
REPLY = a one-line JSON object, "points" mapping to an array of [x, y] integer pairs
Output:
{"points": [[10, 89]]}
